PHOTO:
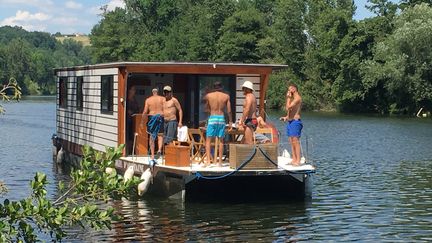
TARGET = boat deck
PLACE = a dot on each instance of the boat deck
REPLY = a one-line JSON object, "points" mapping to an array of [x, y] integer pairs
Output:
{"points": [[142, 162]]}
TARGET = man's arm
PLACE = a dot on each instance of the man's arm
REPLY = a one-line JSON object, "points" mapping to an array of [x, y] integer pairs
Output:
{"points": [[146, 108], [228, 107], [293, 103], [145, 111], [287, 107], [206, 103], [180, 111]]}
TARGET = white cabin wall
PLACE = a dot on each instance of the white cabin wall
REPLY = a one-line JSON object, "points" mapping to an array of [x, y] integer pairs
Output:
{"points": [[88, 126], [241, 78]]}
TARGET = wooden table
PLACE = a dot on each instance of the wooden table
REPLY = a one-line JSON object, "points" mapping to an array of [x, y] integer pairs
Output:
{"points": [[236, 136]]}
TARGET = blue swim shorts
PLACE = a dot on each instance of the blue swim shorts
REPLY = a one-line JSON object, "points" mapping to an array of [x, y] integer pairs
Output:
{"points": [[216, 126], [294, 128]]}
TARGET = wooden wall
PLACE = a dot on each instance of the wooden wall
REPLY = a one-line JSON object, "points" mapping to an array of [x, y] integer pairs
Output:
{"points": [[89, 126], [255, 79]]}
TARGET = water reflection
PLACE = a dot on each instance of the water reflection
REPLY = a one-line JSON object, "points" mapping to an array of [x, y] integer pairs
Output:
{"points": [[168, 220], [373, 183]]}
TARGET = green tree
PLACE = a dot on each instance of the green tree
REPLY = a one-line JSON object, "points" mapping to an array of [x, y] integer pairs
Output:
{"points": [[402, 63], [382, 7], [408, 3], [110, 37], [18, 60], [240, 36], [31, 56], [328, 22], [289, 33]]}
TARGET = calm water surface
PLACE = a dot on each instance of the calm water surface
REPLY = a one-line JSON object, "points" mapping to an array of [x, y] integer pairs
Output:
{"points": [[373, 182]]}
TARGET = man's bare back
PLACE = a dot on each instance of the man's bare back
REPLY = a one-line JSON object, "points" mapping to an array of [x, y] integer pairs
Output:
{"points": [[217, 101], [154, 105]]}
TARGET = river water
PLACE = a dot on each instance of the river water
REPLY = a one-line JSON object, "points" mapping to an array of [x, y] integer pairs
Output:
{"points": [[373, 183]]}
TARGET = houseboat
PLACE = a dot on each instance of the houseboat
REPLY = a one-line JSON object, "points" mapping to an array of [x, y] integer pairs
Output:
{"points": [[92, 108]]}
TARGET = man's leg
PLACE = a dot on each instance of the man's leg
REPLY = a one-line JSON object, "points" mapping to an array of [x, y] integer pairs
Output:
{"points": [[221, 146], [293, 153], [248, 135], [160, 143], [152, 144], [207, 147], [296, 150]]}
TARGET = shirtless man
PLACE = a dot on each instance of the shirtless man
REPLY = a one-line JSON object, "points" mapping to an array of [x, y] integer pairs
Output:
{"points": [[153, 107], [249, 119], [216, 102], [170, 108], [294, 126]]}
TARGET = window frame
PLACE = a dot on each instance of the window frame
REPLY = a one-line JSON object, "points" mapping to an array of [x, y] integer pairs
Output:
{"points": [[107, 94], [79, 93], [63, 94]]}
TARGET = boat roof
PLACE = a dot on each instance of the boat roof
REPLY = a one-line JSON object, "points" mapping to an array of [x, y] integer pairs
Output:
{"points": [[169, 66]]}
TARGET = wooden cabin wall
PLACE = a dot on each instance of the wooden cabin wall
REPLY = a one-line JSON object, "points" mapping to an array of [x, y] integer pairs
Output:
{"points": [[89, 125], [255, 79]]}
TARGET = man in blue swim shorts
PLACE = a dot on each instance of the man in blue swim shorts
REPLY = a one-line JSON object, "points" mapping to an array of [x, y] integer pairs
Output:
{"points": [[217, 101], [216, 126], [153, 107], [294, 126]]}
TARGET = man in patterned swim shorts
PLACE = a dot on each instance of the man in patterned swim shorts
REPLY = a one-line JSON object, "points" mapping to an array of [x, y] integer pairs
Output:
{"points": [[217, 101]]}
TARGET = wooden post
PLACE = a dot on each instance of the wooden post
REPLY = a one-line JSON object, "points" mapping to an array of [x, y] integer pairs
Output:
{"points": [[121, 99], [263, 89]]}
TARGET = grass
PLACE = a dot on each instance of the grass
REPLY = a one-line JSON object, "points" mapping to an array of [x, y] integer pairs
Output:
{"points": [[84, 39]]}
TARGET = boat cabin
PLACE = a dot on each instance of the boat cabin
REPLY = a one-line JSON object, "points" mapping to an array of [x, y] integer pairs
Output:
{"points": [[92, 101], [93, 104]]}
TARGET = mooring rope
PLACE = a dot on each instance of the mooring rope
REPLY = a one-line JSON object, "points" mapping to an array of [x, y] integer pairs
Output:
{"points": [[199, 175]]}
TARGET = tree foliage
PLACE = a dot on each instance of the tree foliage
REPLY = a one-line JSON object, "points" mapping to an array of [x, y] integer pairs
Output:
{"points": [[30, 57], [330, 55], [26, 219], [402, 65]]}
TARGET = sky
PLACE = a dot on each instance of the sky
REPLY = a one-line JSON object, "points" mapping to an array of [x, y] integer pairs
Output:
{"points": [[75, 16]]}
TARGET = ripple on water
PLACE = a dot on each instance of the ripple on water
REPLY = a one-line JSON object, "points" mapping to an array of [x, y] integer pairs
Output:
{"points": [[373, 183]]}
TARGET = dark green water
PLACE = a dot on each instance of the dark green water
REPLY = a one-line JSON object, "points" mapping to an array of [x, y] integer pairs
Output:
{"points": [[373, 183]]}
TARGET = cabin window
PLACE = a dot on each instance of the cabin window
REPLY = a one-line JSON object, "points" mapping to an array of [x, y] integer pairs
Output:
{"points": [[107, 94], [79, 93], [63, 92]]}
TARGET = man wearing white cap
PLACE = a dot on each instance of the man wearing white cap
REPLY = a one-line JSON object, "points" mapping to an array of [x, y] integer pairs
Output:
{"points": [[249, 119], [170, 108], [153, 106]]}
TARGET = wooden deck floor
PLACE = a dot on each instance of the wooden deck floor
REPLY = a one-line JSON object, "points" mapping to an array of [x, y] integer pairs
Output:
{"points": [[225, 168]]}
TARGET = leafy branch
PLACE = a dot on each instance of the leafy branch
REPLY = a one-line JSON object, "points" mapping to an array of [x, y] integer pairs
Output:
{"points": [[37, 214], [9, 91]]}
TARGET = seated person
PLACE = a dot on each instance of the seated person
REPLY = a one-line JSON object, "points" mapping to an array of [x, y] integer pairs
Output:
{"points": [[259, 137]]}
